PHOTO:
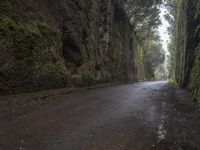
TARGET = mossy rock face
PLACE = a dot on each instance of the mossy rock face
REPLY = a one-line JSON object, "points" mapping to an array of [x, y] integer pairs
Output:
{"points": [[194, 80], [87, 73], [188, 46], [49, 76], [29, 54], [59, 43]]}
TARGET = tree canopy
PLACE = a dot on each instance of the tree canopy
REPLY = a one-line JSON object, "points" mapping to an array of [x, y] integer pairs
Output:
{"points": [[144, 16]]}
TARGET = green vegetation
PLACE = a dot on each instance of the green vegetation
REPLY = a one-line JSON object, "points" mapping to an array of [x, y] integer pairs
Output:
{"points": [[184, 47], [29, 55], [67, 43], [174, 82], [144, 17]]}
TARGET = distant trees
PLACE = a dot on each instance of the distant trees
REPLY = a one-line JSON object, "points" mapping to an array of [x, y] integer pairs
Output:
{"points": [[154, 59], [144, 16], [171, 17]]}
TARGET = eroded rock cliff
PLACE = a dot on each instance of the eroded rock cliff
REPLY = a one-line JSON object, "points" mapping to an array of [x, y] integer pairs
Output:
{"points": [[53, 44], [187, 46]]}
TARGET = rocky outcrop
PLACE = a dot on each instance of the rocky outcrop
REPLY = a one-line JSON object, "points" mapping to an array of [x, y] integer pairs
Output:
{"points": [[192, 68], [187, 47], [53, 44]]}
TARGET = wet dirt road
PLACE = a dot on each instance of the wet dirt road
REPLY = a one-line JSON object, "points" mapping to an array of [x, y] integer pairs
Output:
{"points": [[140, 116]]}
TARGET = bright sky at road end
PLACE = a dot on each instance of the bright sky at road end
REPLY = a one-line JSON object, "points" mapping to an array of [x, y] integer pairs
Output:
{"points": [[164, 35]]}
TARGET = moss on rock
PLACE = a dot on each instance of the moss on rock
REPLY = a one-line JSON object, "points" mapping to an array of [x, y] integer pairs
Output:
{"points": [[50, 44], [28, 49]]}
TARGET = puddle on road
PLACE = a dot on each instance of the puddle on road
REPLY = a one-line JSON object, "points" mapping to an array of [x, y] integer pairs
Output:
{"points": [[170, 145], [161, 128]]}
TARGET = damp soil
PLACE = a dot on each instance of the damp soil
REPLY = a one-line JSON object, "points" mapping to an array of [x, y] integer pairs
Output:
{"points": [[140, 116]]}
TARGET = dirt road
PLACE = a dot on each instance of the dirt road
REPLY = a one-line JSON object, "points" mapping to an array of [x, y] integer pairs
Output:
{"points": [[140, 116]]}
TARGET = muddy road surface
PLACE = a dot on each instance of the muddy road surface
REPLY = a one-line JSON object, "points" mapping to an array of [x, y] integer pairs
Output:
{"points": [[140, 116]]}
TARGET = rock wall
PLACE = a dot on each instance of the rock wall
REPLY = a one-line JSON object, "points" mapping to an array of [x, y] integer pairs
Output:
{"points": [[57, 43], [181, 41], [192, 67], [188, 42]]}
